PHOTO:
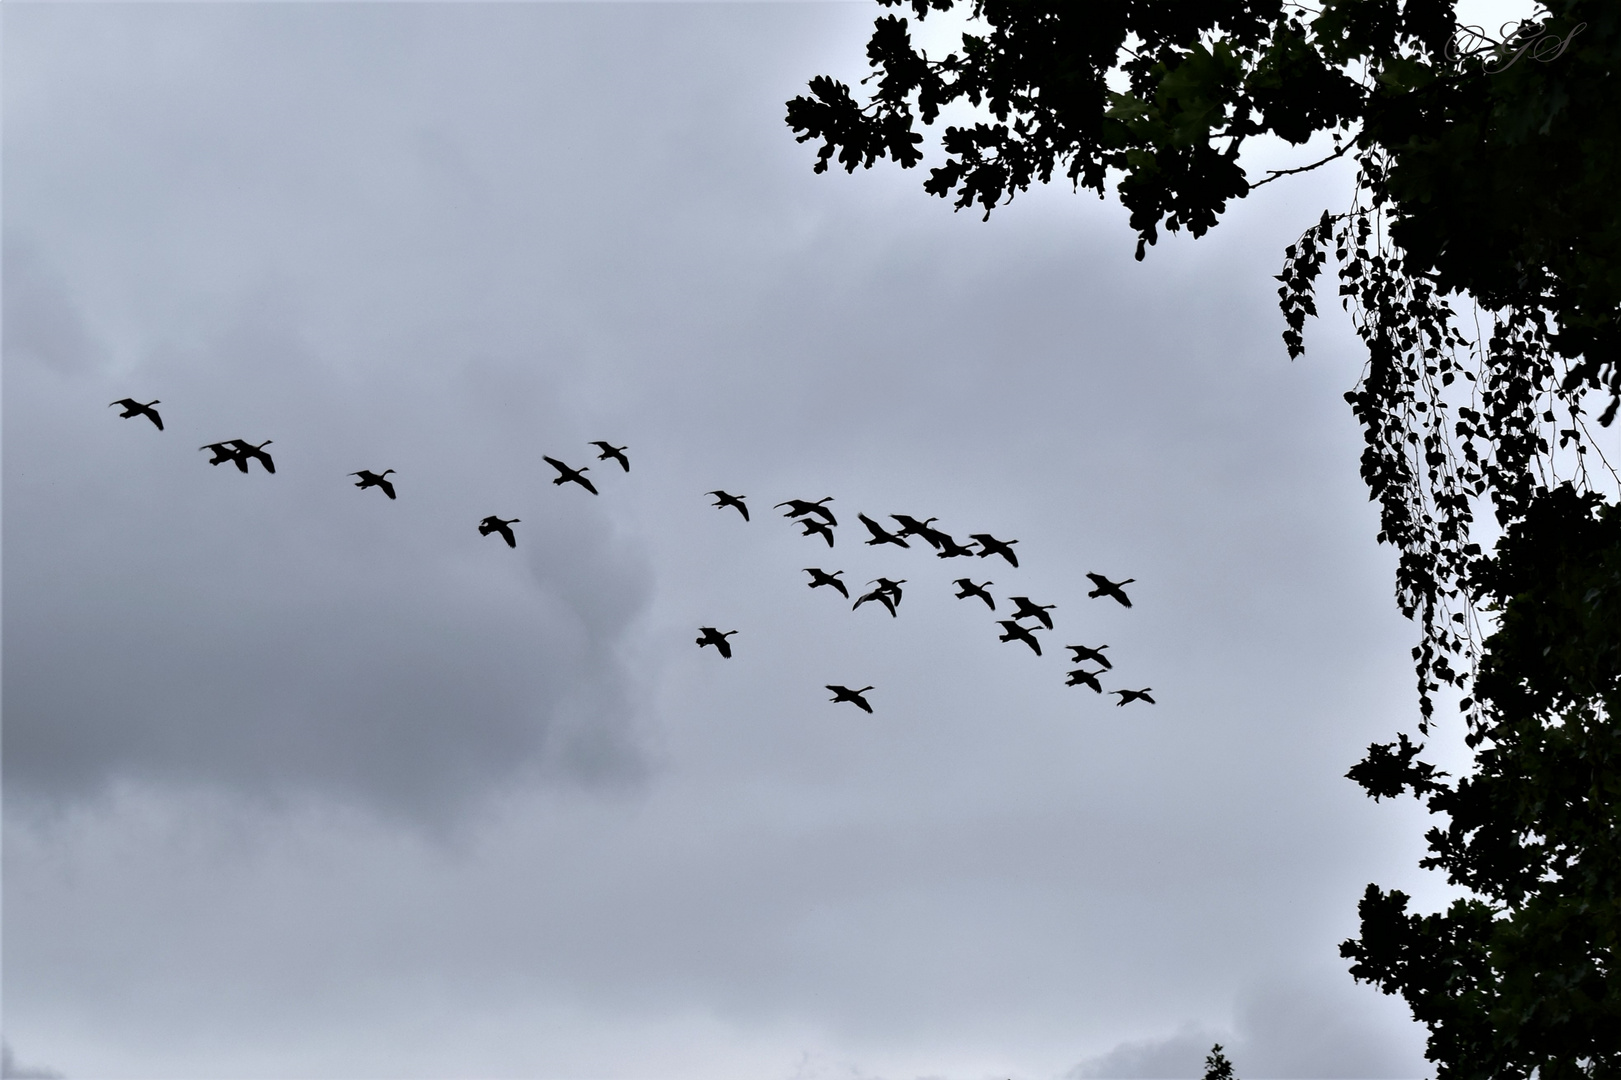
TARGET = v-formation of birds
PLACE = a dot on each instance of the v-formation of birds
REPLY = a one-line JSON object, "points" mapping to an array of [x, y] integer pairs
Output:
{"points": [[815, 520]]}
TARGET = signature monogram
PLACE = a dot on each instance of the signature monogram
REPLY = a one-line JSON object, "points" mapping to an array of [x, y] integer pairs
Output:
{"points": [[1518, 39]]}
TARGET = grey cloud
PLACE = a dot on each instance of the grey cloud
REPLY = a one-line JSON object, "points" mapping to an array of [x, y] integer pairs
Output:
{"points": [[1175, 1057], [10, 1067], [1287, 1029], [1329, 1029], [40, 318]]}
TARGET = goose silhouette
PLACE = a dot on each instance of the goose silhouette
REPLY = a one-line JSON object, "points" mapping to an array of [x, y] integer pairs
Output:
{"points": [[1083, 655], [822, 577], [611, 451], [880, 535], [376, 480], [246, 450], [966, 588], [567, 474], [1134, 695], [1029, 609], [496, 525], [879, 595], [132, 407], [911, 526], [724, 499], [222, 453], [801, 507], [1082, 677], [854, 697], [815, 527], [708, 635], [1105, 587], [990, 545], [1016, 632]]}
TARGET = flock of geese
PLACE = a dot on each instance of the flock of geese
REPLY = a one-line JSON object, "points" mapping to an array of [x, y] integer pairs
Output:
{"points": [[815, 520]]}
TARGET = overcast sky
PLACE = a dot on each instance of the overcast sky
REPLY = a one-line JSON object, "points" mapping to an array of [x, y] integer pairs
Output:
{"points": [[302, 782]]}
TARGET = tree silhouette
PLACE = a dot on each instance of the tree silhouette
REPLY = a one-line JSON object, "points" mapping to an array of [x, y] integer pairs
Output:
{"points": [[1216, 1065], [1479, 256]]}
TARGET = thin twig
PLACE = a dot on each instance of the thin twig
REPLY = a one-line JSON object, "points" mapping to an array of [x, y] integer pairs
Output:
{"points": [[1275, 173]]}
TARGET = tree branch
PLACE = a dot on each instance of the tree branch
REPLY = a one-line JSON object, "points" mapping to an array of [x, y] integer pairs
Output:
{"points": [[1273, 174]]}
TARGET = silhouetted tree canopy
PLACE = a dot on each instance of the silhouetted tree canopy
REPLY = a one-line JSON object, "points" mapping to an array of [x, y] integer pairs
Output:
{"points": [[1521, 976], [1479, 254]]}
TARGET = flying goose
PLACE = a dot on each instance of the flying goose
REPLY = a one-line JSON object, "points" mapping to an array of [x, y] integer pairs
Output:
{"points": [[565, 474], [246, 450], [710, 636], [611, 451], [990, 545], [374, 479], [724, 499], [854, 697], [966, 588], [135, 408], [1083, 655], [880, 535], [496, 525], [1029, 609], [822, 577], [801, 507], [1017, 632], [1105, 587]]}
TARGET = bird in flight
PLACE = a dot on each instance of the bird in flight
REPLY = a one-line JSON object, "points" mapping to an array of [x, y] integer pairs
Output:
{"points": [[1016, 632], [854, 697], [710, 636], [949, 548], [911, 526], [135, 408], [1105, 587], [1082, 677], [880, 535], [496, 525], [1084, 655], [246, 450], [966, 588], [1134, 695], [990, 545], [893, 588], [801, 507], [1028, 609], [822, 577], [611, 451], [887, 593], [879, 595], [724, 499], [222, 453], [566, 474], [374, 479], [815, 527]]}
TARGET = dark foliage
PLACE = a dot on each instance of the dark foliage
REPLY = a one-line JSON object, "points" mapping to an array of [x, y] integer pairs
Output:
{"points": [[1523, 974], [1216, 1065]]}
